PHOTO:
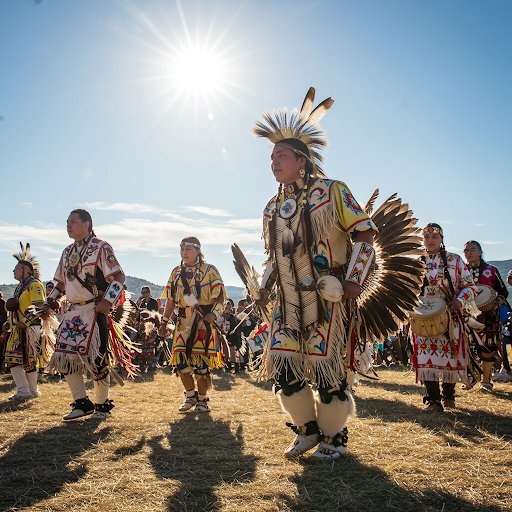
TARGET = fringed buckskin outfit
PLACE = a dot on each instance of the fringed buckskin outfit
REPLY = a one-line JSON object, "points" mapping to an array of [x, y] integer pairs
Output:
{"points": [[195, 342], [317, 236], [30, 348], [307, 228], [444, 358], [88, 341], [308, 335], [197, 293]]}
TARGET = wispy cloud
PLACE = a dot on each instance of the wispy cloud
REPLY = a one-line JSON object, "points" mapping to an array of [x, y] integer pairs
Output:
{"points": [[213, 212], [132, 235], [27, 204], [124, 207], [139, 208], [12, 234], [493, 242]]}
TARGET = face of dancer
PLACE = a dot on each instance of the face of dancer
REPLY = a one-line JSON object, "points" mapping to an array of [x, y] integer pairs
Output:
{"points": [[77, 228], [472, 253], [189, 254], [20, 272], [286, 164], [432, 242]]}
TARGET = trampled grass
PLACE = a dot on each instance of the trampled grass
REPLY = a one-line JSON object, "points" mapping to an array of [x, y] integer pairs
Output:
{"points": [[147, 456]]}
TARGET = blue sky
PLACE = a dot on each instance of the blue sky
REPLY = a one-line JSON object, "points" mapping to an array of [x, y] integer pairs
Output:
{"points": [[92, 115]]}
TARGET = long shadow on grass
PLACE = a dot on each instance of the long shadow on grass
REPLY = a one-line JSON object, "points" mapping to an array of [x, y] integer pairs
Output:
{"points": [[7, 386], [350, 485], [251, 379], [469, 424], [15, 405], [405, 389], [200, 453], [223, 381], [37, 465]]}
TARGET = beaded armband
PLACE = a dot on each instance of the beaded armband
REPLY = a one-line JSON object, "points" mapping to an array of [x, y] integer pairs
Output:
{"points": [[360, 262], [113, 292], [30, 316], [217, 309]]}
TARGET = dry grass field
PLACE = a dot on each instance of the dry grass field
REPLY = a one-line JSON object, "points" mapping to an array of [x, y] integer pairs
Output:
{"points": [[147, 456]]}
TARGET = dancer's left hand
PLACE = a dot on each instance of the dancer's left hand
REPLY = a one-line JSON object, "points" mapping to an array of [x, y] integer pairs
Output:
{"points": [[103, 307], [351, 290], [210, 318], [456, 305]]}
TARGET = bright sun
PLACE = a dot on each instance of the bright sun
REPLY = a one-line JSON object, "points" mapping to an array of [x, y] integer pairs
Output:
{"points": [[198, 71], [189, 66]]}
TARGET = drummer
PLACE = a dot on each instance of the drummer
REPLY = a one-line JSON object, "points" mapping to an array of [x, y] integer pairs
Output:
{"points": [[443, 358], [485, 274]]}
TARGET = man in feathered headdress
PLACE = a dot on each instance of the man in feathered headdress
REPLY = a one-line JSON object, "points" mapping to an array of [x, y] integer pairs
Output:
{"points": [[309, 227], [25, 331], [89, 339]]}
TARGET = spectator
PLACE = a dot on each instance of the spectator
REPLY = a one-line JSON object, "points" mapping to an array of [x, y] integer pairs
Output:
{"points": [[145, 301], [3, 319], [246, 324]]}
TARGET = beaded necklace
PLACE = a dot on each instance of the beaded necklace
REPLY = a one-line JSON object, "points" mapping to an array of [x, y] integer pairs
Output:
{"points": [[74, 257]]}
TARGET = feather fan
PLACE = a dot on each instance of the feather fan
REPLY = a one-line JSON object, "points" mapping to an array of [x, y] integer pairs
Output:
{"points": [[250, 278], [392, 289]]}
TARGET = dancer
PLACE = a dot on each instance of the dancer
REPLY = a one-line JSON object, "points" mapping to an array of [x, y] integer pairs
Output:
{"points": [[491, 337], [333, 291], [307, 230], [24, 341], [443, 357], [196, 289], [88, 338]]}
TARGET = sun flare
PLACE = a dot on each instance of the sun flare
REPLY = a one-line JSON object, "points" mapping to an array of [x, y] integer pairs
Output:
{"points": [[197, 71], [198, 67]]}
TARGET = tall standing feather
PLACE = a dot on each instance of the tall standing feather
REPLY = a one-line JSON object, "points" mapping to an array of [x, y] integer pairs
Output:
{"points": [[371, 202], [250, 278]]}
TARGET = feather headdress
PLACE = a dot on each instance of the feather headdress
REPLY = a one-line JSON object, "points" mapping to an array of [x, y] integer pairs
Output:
{"points": [[26, 257], [302, 125]]}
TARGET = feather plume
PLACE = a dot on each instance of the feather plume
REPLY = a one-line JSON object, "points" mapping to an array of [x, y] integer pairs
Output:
{"points": [[371, 202], [320, 111], [121, 314], [307, 104], [250, 278], [281, 124], [26, 255]]}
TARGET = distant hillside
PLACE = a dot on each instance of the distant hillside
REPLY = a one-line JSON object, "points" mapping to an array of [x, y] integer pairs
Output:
{"points": [[134, 284]]}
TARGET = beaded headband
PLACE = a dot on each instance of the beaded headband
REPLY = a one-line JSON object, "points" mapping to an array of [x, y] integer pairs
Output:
{"points": [[432, 230]]}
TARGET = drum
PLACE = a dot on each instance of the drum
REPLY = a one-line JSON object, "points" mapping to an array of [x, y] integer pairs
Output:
{"points": [[430, 317], [486, 297]]}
